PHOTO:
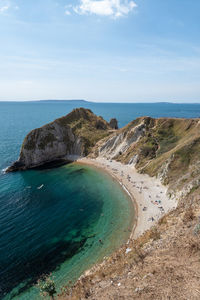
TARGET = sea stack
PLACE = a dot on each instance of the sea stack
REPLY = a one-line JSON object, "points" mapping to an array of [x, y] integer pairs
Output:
{"points": [[113, 123]]}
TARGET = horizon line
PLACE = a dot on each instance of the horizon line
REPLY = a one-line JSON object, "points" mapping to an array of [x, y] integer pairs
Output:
{"points": [[103, 102]]}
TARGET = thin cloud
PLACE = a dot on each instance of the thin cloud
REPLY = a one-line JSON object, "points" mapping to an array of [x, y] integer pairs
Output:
{"points": [[68, 9], [110, 8], [4, 8], [67, 13]]}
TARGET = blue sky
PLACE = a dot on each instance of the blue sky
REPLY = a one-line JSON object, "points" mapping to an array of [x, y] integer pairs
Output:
{"points": [[103, 50]]}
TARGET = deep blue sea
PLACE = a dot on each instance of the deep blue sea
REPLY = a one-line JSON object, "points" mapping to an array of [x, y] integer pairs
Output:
{"points": [[56, 229]]}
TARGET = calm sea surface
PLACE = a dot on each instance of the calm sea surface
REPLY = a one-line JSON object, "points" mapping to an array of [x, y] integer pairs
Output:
{"points": [[57, 229]]}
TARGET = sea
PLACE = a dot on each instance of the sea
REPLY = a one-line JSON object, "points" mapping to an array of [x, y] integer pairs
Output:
{"points": [[59, 222]]}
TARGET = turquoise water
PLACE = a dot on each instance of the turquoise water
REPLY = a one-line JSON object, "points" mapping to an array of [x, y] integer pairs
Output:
{"points": [[57, 229]]}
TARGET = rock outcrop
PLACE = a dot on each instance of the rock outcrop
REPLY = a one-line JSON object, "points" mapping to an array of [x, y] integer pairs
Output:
{"points": [[64, 139], [113, 123], [121, 141]]}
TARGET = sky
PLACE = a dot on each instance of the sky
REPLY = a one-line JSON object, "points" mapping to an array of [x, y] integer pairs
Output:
{"points": [[100, 50]]}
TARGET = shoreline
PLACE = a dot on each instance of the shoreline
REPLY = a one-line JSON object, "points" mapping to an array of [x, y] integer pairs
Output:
{"points": [[92, 162], [148, 195]]}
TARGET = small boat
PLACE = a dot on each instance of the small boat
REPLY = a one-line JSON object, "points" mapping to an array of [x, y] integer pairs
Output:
{"points": [[40, 187]]}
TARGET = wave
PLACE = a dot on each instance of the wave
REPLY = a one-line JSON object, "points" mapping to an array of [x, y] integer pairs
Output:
{"points": [[3, 171]]}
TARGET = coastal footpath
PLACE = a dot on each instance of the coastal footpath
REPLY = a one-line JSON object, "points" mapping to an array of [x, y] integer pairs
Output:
{"points": [[157, 162]]}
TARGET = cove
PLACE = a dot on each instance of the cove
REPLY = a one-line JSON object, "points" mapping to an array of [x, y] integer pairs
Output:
{"points": [[52, 223]]}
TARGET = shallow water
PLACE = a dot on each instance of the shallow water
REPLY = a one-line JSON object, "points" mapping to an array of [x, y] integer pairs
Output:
{"points": [[57, 228]]}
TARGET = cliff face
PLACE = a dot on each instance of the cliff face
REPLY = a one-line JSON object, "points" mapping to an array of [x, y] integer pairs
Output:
{"points": [[164, 147], [49, 143], [65, 139], [120, 142]]}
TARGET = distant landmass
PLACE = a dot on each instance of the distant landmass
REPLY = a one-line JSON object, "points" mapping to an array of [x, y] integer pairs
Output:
{"points": [[55, 100]]}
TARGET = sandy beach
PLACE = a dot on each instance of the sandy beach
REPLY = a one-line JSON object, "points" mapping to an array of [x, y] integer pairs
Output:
{"points": [[149, 196]]}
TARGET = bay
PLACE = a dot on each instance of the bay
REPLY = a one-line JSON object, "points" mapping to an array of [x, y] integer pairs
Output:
{"points": [[56, 229]]}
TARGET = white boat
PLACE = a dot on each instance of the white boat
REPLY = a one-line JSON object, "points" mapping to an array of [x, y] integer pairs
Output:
{"points": [[40, 187]]}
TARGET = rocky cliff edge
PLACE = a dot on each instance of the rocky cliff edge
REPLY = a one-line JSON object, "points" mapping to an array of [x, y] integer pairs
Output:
{"points": [[64, 139]]}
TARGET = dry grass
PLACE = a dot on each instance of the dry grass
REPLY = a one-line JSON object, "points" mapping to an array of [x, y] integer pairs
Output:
{"points": [[188, 215], [164, 268]]}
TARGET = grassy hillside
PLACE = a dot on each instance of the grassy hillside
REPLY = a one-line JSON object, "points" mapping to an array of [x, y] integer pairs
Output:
{"points": [[169, 148], [88, 126]]}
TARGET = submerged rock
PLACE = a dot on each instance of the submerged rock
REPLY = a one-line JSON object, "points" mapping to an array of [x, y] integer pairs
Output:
{"points": [[64, 139]]}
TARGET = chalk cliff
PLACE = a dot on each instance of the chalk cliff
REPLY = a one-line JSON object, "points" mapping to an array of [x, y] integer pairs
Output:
{"points": [[168, 148], [64, 139]]}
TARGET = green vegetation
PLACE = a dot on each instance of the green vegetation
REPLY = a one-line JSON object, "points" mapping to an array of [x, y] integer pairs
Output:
{"points": [[32, 138], [154, 234], [166, 138], [197, 229], [76, 115], [29, 141], [173, 144], [168, 147], [193, 189], [81, 123], [47, 287], [87, 126]]}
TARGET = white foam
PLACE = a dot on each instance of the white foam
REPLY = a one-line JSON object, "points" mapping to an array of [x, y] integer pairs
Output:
{"points": [[4, 170]]}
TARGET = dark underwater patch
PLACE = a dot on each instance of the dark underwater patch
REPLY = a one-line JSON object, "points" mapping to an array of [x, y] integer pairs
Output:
{"points": [[32, 268]]}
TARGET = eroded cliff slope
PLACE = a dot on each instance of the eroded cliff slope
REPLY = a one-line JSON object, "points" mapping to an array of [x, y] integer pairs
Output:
{"points": [[168, 148]]}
